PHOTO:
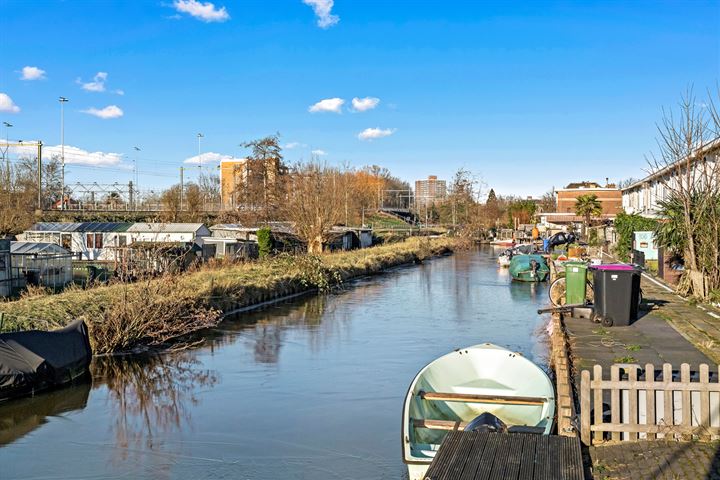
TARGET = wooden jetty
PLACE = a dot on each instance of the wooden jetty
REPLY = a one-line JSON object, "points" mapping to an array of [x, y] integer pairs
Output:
{"points": [[506, 456]]}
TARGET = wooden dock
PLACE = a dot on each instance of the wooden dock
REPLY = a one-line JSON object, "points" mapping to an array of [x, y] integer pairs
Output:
{"points": [[506, 456]]}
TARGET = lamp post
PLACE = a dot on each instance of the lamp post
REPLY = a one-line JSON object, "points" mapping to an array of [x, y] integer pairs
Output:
{"points": [[6, 152], [62, 101], [199, 136]]}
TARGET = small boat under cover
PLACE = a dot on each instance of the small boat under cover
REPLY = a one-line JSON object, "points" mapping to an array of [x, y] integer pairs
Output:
{"points": [[34, 360], [529, 268], [482, 384]]}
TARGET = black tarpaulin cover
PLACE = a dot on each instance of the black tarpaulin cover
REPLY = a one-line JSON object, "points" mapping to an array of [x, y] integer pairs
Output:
{"points": [[34, 360]]}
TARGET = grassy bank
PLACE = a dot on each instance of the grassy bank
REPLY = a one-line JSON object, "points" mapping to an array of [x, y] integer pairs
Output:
{"points": [[151, 313]]}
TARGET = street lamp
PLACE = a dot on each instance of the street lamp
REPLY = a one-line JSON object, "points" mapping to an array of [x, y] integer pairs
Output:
{"points": [[199, 136], [62, 101]]}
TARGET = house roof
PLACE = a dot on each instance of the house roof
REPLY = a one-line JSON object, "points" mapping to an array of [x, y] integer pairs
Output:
{"points": [[277, 227], [699, 152], [80, 227], [165, 227], [41, 248]]}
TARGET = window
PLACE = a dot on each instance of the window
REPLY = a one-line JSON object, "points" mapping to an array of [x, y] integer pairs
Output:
{"points": [[98, 240], [90, 240], [122, 240], [66, 240]]}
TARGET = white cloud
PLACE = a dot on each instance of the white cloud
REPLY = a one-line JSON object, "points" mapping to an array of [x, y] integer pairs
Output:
{"points": [[7, 104], [322, 9], [328, 105], [119, 92], [373, 133], [32, 73], [319, 153], [111, 111], [98, 83], [75, 155], [364, 104], [208, 157], [206, 12], [291, 145]]}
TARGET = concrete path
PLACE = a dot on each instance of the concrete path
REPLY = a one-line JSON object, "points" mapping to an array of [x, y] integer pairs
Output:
{"points": [[653, 338], [656, 460]]}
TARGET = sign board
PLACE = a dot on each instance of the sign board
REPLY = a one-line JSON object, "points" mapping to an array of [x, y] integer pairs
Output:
{"points": [[645, 242]]}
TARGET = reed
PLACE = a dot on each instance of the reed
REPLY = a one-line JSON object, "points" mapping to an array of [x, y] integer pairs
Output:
{"points": [[155, 312]]}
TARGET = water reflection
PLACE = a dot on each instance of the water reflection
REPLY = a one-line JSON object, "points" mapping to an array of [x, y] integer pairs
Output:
{"points": [[151, 396], [311, 388], [21, 416]]}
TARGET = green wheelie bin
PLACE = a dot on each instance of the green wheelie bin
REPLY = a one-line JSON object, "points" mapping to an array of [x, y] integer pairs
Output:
{"points": [[575, 282]]}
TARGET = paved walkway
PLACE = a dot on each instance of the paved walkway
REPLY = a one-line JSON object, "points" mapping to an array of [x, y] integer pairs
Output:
{"points": [[670, 330], [656, 460], [653, 338]]}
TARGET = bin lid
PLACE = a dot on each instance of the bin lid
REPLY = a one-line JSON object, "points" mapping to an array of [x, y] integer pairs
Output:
{"points": [[576, 263], [614, 266]]}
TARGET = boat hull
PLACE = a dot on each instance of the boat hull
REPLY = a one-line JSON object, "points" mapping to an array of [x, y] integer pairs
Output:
{"points": [[460, 386]]}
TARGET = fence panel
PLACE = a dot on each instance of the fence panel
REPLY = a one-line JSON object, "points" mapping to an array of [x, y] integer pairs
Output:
{"points": [[645, 407]]}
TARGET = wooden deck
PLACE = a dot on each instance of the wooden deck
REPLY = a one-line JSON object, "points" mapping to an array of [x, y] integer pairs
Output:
{"points": [[506, 456]]}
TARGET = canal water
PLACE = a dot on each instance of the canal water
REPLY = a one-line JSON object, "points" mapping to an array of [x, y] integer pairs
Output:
{"points": [[308, 389]]}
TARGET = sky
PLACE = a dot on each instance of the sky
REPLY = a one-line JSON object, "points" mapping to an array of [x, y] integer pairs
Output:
{"points": [[526, 95]]}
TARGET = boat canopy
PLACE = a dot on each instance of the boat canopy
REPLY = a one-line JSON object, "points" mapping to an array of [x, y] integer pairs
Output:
{"points": [[34, 360]]}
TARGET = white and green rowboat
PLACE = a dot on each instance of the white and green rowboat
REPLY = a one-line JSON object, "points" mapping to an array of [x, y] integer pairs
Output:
{"points": [[456, 388]]}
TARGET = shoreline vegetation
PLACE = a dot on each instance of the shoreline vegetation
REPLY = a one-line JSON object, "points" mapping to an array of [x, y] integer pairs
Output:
{"points": [[158, 312]]}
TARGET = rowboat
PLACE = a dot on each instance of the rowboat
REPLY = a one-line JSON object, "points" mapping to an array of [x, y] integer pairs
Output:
{"points": [[505, 242], [32, 361], [529, 268], [483, 385]]}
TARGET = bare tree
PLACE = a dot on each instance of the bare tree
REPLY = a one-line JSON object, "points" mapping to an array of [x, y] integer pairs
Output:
{"points": [[313, 202], [688, 168]]}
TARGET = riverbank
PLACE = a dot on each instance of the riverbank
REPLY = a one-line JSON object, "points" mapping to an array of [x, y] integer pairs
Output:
{"points": [[153, 313]]}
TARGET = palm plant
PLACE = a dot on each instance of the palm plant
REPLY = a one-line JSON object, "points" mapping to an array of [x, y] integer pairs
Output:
{"points": [[587, 206]]}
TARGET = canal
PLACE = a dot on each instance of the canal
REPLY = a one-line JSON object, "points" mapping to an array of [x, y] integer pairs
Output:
{"points": [[308, 389]]}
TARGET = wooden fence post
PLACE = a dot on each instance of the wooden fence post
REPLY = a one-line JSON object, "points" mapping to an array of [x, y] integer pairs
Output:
{"points": [[585, 407]]}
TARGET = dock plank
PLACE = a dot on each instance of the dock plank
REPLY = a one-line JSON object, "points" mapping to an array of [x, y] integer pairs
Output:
{"points": [[507, 456]]}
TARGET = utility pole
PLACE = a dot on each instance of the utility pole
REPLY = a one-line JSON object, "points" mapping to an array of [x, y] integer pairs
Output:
{"points": [[137, 176], [62, 101], [182, 171], [39, 175], [6, 153]]}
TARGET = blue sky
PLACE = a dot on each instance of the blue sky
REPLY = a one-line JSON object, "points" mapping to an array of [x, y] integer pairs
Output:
{"points": [[526, 95]]}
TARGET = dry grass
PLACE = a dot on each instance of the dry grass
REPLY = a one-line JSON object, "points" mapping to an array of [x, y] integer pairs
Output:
{"points": [[123, 317]]}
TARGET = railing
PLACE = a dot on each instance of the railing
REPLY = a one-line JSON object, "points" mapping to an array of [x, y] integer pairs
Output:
{"points": [[645, 404]]}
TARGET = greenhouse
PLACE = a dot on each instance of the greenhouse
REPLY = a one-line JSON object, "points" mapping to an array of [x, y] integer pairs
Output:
{"points": [[43, 264]]}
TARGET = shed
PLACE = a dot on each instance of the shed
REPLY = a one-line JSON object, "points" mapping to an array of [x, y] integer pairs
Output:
{"points": [[191, 233], [283, 234], [41, 263], [5, 268], [86, 240]]}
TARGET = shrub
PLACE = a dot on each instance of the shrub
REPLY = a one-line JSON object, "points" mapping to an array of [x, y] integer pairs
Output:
{"points": [[625, 226], [264, 238]]}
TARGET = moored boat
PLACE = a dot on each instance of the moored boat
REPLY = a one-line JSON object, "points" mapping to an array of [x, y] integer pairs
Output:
{"points": [[529, 268], [504, 259], [483, 385], [34, 360]]}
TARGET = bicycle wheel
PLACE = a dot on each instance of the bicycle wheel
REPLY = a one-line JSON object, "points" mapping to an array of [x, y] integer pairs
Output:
{"points": [[556, 292], [589, 292]]}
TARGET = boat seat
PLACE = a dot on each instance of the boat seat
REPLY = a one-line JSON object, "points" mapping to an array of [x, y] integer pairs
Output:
{"points": [[472, 398]]}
